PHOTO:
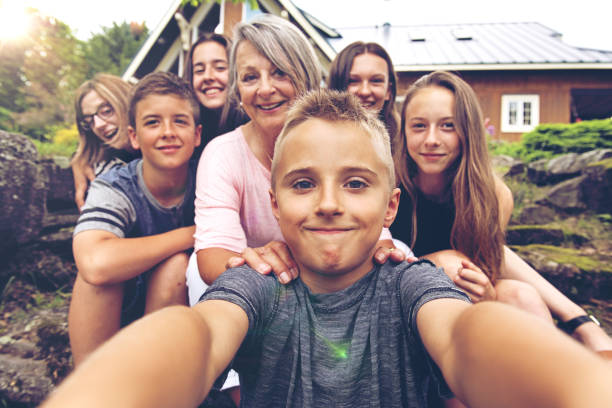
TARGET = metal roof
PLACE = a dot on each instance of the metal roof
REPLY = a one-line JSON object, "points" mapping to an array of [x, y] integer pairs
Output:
{"points": [[483, 46]]}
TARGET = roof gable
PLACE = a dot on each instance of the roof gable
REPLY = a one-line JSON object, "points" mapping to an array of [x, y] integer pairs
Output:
{"points": [[162, 49]]}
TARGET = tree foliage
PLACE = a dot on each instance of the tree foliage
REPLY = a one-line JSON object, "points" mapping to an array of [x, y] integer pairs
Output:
{"points": [[40, 71], [195, 3], [112, 50]]}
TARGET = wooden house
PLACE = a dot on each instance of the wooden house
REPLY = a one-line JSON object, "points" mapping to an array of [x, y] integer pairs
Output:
{"points": [[523, 73], [166, 47]]}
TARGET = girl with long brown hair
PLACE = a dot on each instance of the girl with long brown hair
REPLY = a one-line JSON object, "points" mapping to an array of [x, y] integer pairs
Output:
{"points": [[366, 71], [454, 210]]}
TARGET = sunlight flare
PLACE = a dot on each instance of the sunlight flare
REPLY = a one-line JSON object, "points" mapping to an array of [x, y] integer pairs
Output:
{"points": [[14, 21]]}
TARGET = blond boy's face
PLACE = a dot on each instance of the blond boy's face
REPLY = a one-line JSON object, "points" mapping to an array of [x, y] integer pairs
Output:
{"points": [[332, 199], [165, 131]]}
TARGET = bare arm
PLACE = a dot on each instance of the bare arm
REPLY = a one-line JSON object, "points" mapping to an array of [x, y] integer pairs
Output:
{"points": [[495, 355], [505, 200], [465, 274], [212, 262], [513, 267], [167, 359], [103, 258], [83, 174], [560, 305]]}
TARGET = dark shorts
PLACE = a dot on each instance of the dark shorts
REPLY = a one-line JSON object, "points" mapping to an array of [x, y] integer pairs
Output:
{"points": [[134, 298]]}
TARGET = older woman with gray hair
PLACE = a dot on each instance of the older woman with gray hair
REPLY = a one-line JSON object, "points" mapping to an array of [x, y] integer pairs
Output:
{"points": [[271, 63]]}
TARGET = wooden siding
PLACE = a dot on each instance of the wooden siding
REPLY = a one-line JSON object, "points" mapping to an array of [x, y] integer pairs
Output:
{"points": [[554, 88]]}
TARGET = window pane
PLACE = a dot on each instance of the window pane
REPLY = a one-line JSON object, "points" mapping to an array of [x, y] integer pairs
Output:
{"points": [[526, 113], [512, 113]]}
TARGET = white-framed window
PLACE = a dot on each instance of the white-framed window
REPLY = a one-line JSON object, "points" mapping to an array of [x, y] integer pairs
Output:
{"points": [[519, 113]]}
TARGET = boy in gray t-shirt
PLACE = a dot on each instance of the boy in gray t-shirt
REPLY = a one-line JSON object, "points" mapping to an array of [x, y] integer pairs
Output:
{"points": [[131, 239], [345, 333]]}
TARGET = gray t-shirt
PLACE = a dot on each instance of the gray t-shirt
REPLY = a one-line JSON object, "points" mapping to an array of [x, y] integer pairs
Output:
{"points": [[355, 348]]}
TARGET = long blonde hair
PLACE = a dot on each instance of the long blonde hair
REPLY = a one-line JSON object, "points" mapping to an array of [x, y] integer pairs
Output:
{"points": [[116, 92], [477, 231]]}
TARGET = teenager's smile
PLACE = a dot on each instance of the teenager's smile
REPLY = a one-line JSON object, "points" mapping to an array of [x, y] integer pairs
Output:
{"points": [[431, 135], [210, 74]]}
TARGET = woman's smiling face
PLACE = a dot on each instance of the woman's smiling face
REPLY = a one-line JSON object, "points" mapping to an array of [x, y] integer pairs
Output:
{"points": [[431, 137], [265, 91], [369, 81], [210, 74]]}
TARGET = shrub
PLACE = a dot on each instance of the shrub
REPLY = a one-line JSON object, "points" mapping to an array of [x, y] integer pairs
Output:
{"points": [[554, 139], [63, 142]]}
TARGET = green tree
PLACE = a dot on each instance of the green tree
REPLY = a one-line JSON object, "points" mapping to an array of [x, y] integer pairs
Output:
{"points": [[38, 74], [112, 50]]}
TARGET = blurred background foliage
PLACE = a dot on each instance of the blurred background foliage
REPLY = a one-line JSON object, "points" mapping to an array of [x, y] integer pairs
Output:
{"points": [[40, 71], [554, 139]]}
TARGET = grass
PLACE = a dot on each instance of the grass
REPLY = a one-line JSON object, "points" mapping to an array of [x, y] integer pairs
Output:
{"points": [[567, 256]]}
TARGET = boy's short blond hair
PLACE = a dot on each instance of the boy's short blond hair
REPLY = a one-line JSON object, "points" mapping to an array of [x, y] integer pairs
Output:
{"points": [[336, 106]]}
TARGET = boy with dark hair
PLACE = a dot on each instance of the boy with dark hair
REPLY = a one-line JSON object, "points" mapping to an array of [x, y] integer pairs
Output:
{"points": [[346, 333], [131, 239]]}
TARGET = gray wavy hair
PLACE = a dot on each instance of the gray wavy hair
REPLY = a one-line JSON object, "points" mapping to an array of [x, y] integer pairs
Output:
{"points": [[284, 45]]}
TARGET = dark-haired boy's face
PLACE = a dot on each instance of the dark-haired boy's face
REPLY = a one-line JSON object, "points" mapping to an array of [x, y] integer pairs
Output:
{"points": [[165, 131], [332, 199]]}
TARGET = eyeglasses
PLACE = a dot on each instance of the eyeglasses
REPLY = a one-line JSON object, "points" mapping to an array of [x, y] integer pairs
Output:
{"points": [[104, 112]]}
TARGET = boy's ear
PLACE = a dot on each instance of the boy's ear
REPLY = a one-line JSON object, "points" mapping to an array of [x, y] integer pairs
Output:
{"points": [[274, 204], [133, 138], [198, 135], [392, 207]]}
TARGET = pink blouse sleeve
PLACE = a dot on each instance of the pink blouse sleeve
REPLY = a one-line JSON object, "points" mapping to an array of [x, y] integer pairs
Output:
{"points": [[218, 199]]}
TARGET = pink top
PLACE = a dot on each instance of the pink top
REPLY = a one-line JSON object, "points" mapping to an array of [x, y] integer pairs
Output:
{"points": [[232, 205]]}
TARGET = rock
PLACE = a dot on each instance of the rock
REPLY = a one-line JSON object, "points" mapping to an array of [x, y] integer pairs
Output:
{"points": [[536, 214], [513, 166], [502, 160], [567, 166], [23, 188], [597, 187], [44, 268], [578, 276], [34, 351], [517, 168], [23, 381], [532, 234], [562, 168], [566, 196], [536, 172], [61, 184]]}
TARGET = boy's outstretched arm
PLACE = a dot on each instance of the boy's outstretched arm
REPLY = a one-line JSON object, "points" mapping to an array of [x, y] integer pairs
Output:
{"points": [[103, 258], [167, 359], [495, 355]]}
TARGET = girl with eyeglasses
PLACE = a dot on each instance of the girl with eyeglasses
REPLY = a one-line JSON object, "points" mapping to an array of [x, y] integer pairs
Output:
{"points": [[101, 106]]}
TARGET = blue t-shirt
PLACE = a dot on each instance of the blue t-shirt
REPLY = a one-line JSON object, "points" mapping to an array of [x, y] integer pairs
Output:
{"points": [[358, 347]]}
